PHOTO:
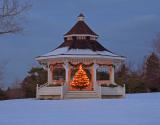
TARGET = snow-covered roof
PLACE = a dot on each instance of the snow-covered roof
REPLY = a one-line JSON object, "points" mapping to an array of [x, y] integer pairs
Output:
{"points": [[66, 52]]}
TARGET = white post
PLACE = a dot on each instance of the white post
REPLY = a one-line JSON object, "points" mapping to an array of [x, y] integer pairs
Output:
{"points": [[124, 90], [49, 75], [37, 92], [66, 66], [112, 74], [97, 88], [61, 92], [66, 72], [94, 75]]}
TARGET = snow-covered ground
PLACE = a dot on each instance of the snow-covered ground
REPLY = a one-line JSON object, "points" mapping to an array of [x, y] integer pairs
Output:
{"points": [[135, 109]]}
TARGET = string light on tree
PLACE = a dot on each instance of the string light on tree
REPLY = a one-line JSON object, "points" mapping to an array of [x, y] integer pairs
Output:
{"points": [[80, 80]]}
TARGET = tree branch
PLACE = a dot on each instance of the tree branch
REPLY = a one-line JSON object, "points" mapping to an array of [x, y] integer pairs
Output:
{"points": [[10, 11]]}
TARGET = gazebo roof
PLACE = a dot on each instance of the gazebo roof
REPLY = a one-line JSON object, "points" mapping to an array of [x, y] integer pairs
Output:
{"points": [[83, 44], [80, 28], [87, 46], [66, 52]]}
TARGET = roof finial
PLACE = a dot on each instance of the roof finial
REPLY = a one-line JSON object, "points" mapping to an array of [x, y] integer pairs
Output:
{"points": [[81, 17]]}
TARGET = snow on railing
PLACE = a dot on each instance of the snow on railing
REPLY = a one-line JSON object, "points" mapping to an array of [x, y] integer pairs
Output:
{"points": [[43, 85]]}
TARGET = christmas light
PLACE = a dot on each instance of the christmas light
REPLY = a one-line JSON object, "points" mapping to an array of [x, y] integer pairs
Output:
{"points": [[80, 80]]}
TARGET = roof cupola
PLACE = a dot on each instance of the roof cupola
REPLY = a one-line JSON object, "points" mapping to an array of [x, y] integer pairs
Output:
{"points": [[81, 17], [81, 30]]}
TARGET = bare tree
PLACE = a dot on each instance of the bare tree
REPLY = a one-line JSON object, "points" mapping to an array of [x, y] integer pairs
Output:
{"points": [[10, 12], [157, 44]]}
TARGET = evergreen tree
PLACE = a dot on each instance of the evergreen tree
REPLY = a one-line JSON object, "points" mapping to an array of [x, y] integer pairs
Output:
{"points": [[80, 80], [152, 72], [122, 75], [2, 95], [132, 79], [35, 76]]}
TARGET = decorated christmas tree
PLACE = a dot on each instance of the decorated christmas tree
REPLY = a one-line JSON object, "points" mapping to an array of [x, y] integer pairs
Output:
{"points": [[80, 80]]}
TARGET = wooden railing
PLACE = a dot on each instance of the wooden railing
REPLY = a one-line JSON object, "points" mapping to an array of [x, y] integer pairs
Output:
{"points": [[119, 90], [45, 89]]}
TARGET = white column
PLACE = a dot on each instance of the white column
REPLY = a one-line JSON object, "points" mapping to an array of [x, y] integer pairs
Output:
{"points": [[66, 66], [94, 75], [112, 74], [49, 74], [37, 92]]}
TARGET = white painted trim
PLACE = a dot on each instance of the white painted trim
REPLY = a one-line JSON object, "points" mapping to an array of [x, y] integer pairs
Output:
{"points": [[80, 56], [80, 18], [81, 35]]}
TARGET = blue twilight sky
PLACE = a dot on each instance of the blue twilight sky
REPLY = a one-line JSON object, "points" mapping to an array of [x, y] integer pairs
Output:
{"points": [[126, 27]]}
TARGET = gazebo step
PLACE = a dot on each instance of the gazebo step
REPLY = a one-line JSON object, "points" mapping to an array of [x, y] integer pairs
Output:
{"points": [[81, 91], [80, 94]]}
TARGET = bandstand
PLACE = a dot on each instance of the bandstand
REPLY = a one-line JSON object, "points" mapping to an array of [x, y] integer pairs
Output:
{"points": [[80, 67]]}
